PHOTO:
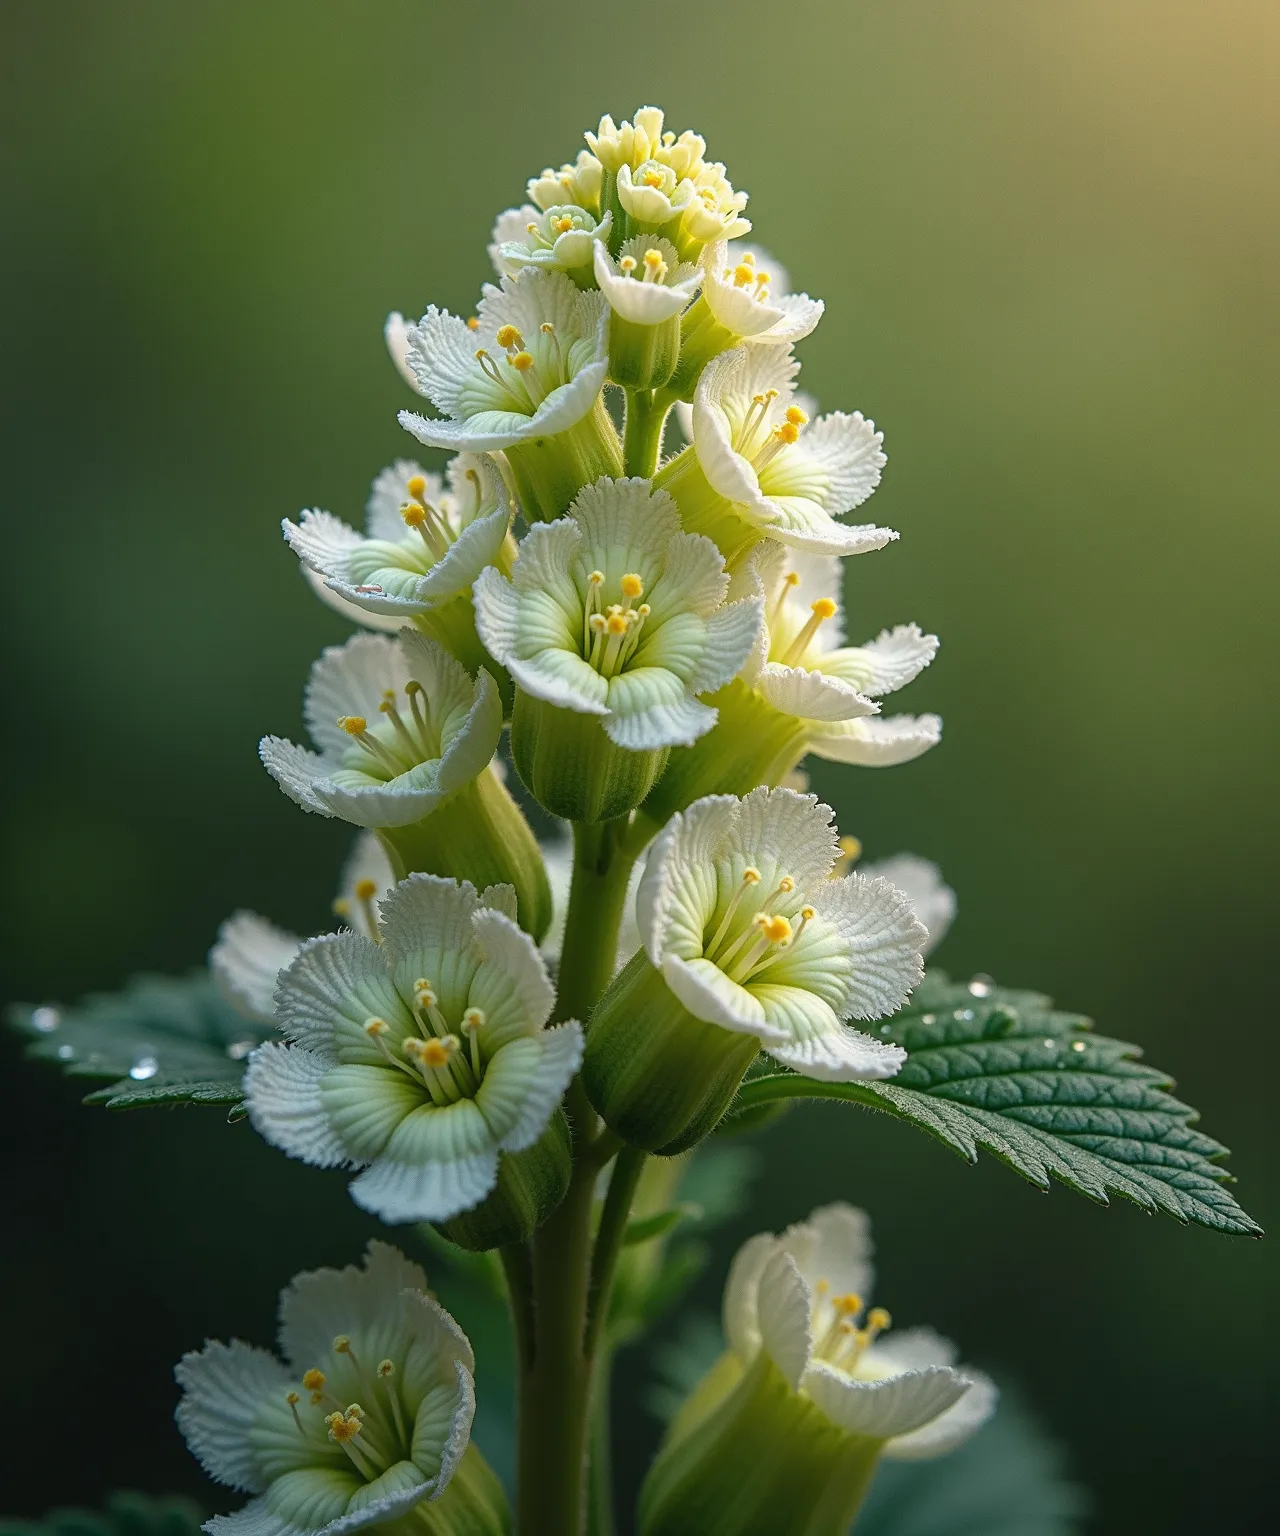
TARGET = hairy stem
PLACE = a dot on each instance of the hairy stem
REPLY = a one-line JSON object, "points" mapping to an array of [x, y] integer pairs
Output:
{"points": [[556, 1380], [642, 440]]}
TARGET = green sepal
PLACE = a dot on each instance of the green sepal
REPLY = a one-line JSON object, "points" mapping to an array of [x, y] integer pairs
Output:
{"points": [[702, 337], [642, 356], [478, 834], [160, 1040], [748, 1456], [473, 1504], [570, 766], [550, 471], [452, 624], [751, 743], [1002, 1070], [530, 1186], [702, 508], [660, 1078]]}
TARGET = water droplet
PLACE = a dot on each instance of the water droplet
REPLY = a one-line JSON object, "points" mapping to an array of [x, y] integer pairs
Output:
{"points": [[928, 1018], [66, 1052], [1078, 1045], [982, 985], [143, 1068], [46, 1020], [1050, 1045], [236, 1113], [886, 1029], [239, 1049], [964, 1014]]}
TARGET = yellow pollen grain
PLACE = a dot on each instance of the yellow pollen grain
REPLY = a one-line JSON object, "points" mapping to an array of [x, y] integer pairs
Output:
{"points": [[435, 1053], [416, 485], [824, 608], [632, 586], [354, 725], [343, 1429], [314, 1380], [878, 1319], [796, 416], [849, 1304], [508, 336], [743, 274], [374, 1028], [776, 929], [788, 432], [563, 224], [652, 178], [473, 323], [366, 890], [522, 362], [616, 624]]}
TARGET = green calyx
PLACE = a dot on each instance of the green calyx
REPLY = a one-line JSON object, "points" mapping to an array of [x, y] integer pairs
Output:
{"points": [[452, 624], [530, 1186], [702, 508], [478, 834], [643, 356], [751, 743], [750, 1456], [550, 471], [472, 1505], [702, 337], [570, 766], [659, 1077]]}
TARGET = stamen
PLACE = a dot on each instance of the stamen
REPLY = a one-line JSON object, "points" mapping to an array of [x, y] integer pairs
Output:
{"points": [[419, 711], [522, 362], [388, 708], [386, 1369], [365, 892], [627, 265], [416, 485], [750, 879], [819, 613], [655, 269], [510, 338], [850, 853], [414, 1047], [357, 727], [473, 322], [293, 1399], [789, 583], [473, 1021], [489, 368], [549, 330], [632, 586]]}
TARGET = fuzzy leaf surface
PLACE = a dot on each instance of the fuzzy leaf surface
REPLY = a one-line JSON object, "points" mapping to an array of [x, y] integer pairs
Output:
{"points": [[161, 1040], [1003, 1071]]}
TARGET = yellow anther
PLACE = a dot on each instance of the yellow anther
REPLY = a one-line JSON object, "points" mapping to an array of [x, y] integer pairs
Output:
{"points": [[563, 224], [314, 1380], [796, 416], [424, 992], [413, 514], [342, 1346], [632, 586], [851, 848], [749, 258], [343, 1428], [354, 725], [473, 323], [522, 361], [509, 336], [653, 258], [627, 265], [386, 1368], [825, 608], [776, 929], [366, 890], [808, 913], [791, 579], [354, 1410], [822, 1287], [743, 274], [595, 579], [416, 485], [435, 1053], [473, 1019], [412, 1047], [597, 622], [848, 1305], [643, 611], [751, 875], [292, 1398], [787, 884], [373, 1028], [413, 686], [878, 1319], [617, 624], [652, 178], [787, 432]]}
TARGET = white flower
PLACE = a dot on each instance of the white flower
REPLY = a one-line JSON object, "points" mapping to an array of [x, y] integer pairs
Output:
{"points": [[648, 283], [801, 1299], [578, 184], [558, 238], [802, 670], [629, 145], [614, 611], [737, 912], [921, 882], [400, 726], [395, 332], [715, 210], [367, 1414], [421, 1058], [251, 951], [748, 294], [423, 545], [653, 195], [533, 364], [758, 467]]}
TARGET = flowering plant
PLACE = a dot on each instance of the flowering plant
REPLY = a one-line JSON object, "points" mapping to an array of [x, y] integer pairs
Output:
{"points": [[524, 1054]]}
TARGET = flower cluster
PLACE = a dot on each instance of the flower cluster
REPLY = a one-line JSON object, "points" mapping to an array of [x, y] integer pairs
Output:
{"points": [[649, 632]]}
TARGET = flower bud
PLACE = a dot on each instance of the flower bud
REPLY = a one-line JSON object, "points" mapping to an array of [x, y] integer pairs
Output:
{"points": [[570, 766], [530, 1186]]}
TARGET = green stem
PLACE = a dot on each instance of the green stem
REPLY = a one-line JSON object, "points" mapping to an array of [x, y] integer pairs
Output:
{"points": [[600, 1472], [612, 1229], [642, 440], [556, 1384], [517, 1265]]}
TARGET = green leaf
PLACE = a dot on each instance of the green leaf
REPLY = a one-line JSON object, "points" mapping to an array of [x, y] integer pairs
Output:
{"points": [[162, 1040], [1003, 1071], [645, 1228]]}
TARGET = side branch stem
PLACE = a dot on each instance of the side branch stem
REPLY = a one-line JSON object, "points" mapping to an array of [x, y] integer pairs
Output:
{"points": [[642, 439]]}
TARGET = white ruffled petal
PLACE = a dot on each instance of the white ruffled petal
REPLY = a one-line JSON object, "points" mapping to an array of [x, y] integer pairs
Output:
{"points": [[885, 664], [882, 1409], [819, 1046], [223, 1388], [389, 492], [886, 938], [835, 1245], [741, 1295], [321, 541], [847, 449], [296, 771], [353, 612], [423, 919], [497, 611], [246, 960], [337, 977], [282, 1094], [794, 831], [320, 1304], [882, 742], [709, 995], [509, 228], [560, 1058], [350, 679], [922, 884], [677, 724], [395, 332], [803, 524], [513, 975], [435, 1191], [782, 1314], [396, 804], [470, 748], [952, 1427], [732, 636], [686, 850], [808, 695], [441, 356], [635, 300]]}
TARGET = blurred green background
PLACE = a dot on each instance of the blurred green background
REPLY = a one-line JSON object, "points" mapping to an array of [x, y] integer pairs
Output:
{"points": [[1047, 239]]}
